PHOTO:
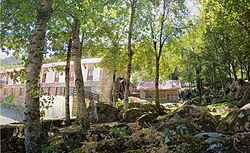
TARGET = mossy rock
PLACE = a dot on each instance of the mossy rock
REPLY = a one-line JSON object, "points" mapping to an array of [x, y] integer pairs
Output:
{"points": [[236, 121], [180, 126], [131, 105], [147, 118], [131, 115], [7, 131], [196, 115], [12, 145], [103, 113]]}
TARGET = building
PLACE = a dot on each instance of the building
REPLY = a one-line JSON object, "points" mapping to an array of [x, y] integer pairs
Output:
{"points": [[168, 91], [97, 83]]}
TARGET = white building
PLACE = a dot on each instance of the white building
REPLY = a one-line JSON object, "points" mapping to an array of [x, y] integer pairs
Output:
{"points": [[97, 83]]}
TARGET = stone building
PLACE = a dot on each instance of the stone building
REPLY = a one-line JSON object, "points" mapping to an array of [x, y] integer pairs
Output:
{"points": [[168, 91]]}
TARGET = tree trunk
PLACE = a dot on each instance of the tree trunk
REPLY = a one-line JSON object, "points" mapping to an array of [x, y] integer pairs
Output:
{"points": [[248, 70], [198, 81], [82, 115], [67, 70], [130, 54], [157, 98], [32, 125], [114, 89], [234, 71], [241, 72]]}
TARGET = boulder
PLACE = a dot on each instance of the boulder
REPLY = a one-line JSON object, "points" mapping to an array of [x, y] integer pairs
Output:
{"points": [[210, 136], [131, 115], [147, 118], [102, 113], [12, 145], [241, 142], [8, 131], [131, 105], [236, 121], [197, 119]]}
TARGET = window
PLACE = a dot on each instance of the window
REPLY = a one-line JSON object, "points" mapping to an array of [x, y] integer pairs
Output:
{"points": [[56, 77], [71, 91], [7, 80], [62, 91], [90, 73], [12, 91], [72, 76], [44, 76], [21, 92]]}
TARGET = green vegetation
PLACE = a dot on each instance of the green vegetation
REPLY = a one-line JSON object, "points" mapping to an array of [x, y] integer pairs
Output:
{"points": [[219, 105], [10, 62]]}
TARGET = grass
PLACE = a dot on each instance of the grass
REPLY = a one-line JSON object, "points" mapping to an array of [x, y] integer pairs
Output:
{"points": [[218, 105]]}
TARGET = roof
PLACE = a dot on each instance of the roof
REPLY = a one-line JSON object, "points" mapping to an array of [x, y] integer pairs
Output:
{"points": [[168, 85], [83, 61]]}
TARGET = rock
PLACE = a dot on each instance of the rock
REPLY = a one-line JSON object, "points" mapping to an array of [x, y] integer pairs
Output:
{"points": [[147, 118], [196, 101], [246, 107], [74, 138], [217, 117], [215, 148], [213, 109], [242, 142], [236, 121], [194, 118], [12, 145], [210, 136], [7, 131], [131, 115], [179, 126], [131, 105], [205, 100], [102, 113]]}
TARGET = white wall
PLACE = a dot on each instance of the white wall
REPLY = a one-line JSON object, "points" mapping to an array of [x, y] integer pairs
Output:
{"points": [[58, 107], [50, 76], [84, 73], [96, 74], [61, 77]]}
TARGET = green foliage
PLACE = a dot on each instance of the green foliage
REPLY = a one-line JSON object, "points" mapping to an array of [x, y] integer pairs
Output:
{"points": [[10, 62], [54, 146], [228, 103], [119, 132], [7, 100], [118, 103]]}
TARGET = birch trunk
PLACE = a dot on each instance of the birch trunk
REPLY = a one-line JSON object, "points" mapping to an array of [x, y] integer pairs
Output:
{"points": [[82, 115], [32, 125], [130, 54], [67, 70]]}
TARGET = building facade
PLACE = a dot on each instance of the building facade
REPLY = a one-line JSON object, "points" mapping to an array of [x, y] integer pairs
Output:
{"points": [[97, 82], [168, 91]]}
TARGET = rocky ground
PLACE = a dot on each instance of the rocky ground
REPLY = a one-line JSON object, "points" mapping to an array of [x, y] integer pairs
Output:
{"points": [[198, 125], [189, 128]]}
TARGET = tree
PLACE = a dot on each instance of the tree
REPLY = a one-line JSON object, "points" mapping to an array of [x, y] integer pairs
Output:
{"points": [[67, 71], [165, 22], [130, 54], [109, 39], [32, 125]]}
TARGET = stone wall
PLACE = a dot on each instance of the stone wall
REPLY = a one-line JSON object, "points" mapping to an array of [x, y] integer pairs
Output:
{"points": [[105, 86]]}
